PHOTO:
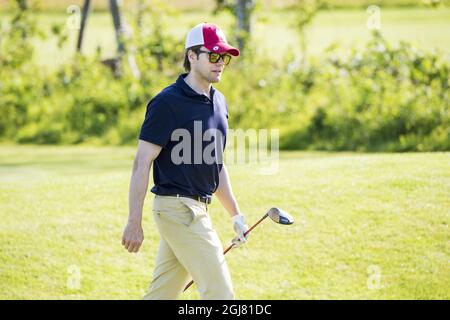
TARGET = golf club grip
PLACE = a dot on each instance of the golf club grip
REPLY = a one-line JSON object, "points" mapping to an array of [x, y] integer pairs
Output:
{"points": [[231, 246]]}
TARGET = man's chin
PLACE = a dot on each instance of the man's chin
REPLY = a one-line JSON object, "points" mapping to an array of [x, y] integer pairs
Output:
{"points": [[212, 78], [215, 79]]}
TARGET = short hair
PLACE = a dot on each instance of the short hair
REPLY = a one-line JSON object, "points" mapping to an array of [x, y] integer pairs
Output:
{"points": [[187, 63]]}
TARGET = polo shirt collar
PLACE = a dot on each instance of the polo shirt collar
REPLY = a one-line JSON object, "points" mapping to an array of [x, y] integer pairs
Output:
{"points": [[180, 83]]}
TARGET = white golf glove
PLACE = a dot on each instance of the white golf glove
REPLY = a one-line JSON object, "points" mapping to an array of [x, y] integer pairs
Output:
{"points": [[240, 227]]}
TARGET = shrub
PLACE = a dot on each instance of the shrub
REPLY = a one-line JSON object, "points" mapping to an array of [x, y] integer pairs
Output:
{"points": [[380, 98]]}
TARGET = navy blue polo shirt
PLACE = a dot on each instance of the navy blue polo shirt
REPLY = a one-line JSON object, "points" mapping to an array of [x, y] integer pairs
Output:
{"points": [[191, 128]]}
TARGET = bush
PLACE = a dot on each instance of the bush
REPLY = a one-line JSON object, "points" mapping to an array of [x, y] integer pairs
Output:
{"points": [[381, 98]]}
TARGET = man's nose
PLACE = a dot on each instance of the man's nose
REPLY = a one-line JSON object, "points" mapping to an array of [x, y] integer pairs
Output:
{"points": [[220, 62]]}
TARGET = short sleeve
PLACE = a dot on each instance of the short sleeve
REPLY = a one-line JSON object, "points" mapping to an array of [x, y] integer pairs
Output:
{"points": [[159, 122]]}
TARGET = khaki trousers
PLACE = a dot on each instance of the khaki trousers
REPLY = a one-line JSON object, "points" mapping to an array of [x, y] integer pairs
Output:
{"points": [[189, 247]]}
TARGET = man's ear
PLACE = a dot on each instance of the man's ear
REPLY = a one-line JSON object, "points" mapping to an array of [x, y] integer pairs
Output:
{"points": [[192, 56]]}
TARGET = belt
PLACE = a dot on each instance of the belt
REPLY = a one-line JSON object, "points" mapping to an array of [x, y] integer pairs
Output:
{"points": [[205, 200]]}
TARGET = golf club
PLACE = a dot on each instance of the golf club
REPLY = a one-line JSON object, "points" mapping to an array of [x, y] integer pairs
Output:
{"points": [[276, 214]]}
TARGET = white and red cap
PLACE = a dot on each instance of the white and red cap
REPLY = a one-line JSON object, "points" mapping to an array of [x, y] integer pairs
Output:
{"points": [[210, 36]]}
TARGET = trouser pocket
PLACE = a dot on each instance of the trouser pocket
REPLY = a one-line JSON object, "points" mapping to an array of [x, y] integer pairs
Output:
{"points": [[201, 221], [171, 209]]}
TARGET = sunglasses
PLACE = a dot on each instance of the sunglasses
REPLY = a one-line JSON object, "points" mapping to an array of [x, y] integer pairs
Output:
{"points": [[215, 57]]}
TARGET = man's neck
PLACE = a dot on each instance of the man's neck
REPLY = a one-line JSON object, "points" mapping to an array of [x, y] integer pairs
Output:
{"points": [[197, 84]]}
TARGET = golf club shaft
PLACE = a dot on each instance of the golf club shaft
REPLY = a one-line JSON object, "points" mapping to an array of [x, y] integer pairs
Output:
{"points": [[231, 246]]}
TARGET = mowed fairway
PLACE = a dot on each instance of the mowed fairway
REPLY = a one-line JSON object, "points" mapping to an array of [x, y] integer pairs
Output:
{"points": [[368, 226]]}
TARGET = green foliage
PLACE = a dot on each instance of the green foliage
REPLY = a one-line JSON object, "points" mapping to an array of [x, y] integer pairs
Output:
{"points": [[242, 12], [15, 48], [306, 10], [380, 97], [155, 48]]}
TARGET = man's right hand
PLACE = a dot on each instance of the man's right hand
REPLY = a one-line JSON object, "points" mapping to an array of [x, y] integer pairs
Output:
{"points": [[133, 236]]}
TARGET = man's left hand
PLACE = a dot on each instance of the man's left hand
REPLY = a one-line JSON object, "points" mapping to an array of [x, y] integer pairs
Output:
{"points": [[240, 227]]}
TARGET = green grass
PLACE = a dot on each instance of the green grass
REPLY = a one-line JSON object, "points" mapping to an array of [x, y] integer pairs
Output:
{"points": [[274, 32], [65, 206]]}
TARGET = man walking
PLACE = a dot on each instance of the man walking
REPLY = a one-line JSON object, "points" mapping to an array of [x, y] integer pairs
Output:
{"points": [[184, 136]]}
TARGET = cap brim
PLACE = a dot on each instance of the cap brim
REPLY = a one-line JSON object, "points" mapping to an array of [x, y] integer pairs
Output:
{"points": [[223, 47]]}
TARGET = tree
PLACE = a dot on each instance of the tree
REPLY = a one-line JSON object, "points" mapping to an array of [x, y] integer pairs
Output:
{"points": [[242, 10], [305, 11], [122, 32]]}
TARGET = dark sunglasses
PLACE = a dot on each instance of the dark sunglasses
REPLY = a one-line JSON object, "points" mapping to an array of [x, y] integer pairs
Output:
{"points": [[215, 57]]}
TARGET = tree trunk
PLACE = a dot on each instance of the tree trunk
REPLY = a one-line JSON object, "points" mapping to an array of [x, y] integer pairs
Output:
{"points": [[244, 9], [118, 26], [84, 16], [23, 5], [122, 34]]}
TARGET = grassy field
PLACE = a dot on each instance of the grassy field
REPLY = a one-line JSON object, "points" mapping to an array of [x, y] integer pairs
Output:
{"points": [[425, 28], [368, 226]]}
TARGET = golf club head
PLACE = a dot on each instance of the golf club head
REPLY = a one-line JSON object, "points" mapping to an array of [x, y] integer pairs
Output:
{"points": [[280, 216]]}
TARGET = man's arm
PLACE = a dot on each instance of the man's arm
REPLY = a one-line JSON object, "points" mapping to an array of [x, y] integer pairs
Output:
{"points": [[225, 194], [133, 234]]}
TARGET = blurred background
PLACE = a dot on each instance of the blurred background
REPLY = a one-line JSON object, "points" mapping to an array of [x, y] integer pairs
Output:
{"points": [[331, 75]]}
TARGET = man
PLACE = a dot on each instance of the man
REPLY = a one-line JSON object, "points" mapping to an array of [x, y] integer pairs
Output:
{"points": [[183, 136]]}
